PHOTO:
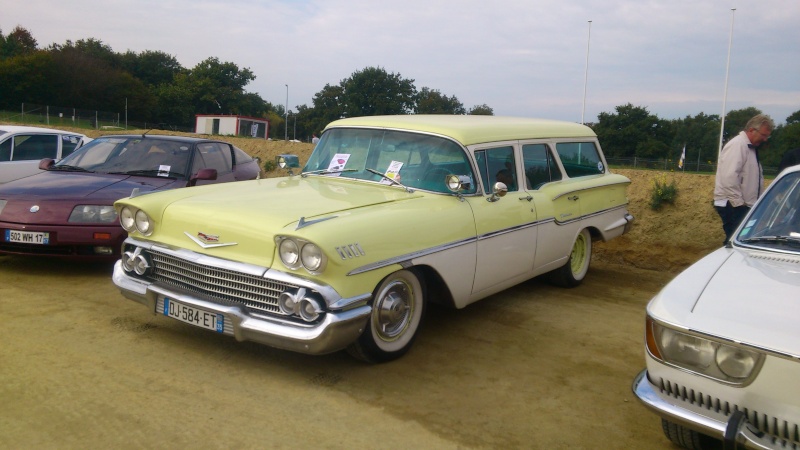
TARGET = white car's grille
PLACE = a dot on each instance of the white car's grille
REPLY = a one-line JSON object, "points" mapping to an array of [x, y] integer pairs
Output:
{"points": [[783, 433], [256, 293]]}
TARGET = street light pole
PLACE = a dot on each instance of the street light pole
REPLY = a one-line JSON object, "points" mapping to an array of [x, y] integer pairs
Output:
{"points": [[725, 95], [286, 118], [586, 76]]}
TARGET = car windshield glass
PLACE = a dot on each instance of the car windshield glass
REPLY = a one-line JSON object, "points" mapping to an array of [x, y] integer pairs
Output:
{"points": [[132, 156], [416, 160], [775, 221]]}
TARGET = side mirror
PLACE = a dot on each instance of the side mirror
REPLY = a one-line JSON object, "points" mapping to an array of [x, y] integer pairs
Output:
{"points": [[499, 190], [46, 164], [203, 174], [288, 162]]}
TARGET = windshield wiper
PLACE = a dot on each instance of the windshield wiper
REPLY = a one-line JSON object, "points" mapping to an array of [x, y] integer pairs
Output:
{"points": [[326, 172], [148, 172], [390, 180], [791, 240], [69, 168]]}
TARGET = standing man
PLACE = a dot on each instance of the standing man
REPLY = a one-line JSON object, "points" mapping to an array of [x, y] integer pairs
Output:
{"points": [[314, 139], [740, 179]]}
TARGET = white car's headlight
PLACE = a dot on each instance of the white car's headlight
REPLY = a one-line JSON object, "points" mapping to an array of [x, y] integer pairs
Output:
{"points": [[143, 223], [705, 356], [126, 219], [93, 214]]}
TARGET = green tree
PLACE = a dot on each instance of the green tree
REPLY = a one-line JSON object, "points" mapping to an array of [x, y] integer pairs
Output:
{"points": [[481, 110], [431, 101], [152, 67], [700, 135], [633, 131], [18, 43], [218, 86], [373, 91]]}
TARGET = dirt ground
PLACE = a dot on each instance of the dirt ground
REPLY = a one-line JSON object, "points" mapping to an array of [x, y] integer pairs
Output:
{"points": [[534, 367]]}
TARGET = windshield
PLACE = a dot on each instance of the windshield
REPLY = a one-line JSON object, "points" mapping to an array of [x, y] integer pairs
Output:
{"points": [[775, 221], [130, 155], [415, 160]]}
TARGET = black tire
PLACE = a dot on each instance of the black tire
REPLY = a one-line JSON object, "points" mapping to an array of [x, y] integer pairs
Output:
{"points": [[574, 271], [398, 307], [686, 438]]}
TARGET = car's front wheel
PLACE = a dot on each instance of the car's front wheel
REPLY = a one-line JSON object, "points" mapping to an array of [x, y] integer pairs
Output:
{"points": [[574, 271], [397, 310], [687, 438]]}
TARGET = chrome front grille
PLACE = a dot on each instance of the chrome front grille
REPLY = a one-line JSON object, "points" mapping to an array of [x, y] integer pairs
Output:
{"points": [[784, 433], [257, 294]]}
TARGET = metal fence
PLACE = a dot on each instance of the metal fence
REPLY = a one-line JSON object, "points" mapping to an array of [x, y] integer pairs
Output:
{"points": [[672, 165], [58, 116]]}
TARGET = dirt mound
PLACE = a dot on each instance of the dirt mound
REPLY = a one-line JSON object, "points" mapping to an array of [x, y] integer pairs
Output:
{"points": [[672, 237]]}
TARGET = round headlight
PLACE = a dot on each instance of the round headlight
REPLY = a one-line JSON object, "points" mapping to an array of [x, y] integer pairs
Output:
{"points": [[126, 218], [309, 309], [141, 265], [143, 223], [127, 261], [311, 257], [287, 303], [735, 362], [290, 254]]}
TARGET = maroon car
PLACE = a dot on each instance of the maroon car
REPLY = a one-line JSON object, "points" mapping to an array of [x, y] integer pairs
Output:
{"points": [[67, 210]]}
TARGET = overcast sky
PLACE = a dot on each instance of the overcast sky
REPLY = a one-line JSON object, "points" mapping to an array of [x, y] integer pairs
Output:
{"points": [[520, 57]]}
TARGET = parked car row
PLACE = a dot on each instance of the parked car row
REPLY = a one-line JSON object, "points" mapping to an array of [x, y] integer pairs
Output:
{"points": [[391, 214]]}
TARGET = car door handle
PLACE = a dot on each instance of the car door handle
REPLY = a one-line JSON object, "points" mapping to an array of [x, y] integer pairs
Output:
{"points": [[573, 198], [528, 198]]}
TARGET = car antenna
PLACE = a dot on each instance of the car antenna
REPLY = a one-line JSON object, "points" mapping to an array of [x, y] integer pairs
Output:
{"points": [[146, 132]]}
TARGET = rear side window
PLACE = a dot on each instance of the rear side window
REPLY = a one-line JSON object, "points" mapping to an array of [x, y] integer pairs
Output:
{"points": [[580, 159], [213, 155], [540, 165], [69, 144], [35, 146]]}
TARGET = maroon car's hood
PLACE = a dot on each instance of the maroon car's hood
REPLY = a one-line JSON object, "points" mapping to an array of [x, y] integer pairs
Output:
{"points": [[54, 194], [79, 185]]}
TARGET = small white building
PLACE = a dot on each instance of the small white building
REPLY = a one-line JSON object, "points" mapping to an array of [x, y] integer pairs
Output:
{"points": [[231, 125]]}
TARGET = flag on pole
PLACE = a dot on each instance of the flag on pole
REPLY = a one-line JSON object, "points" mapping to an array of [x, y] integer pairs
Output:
{"points": [[683, 157]]}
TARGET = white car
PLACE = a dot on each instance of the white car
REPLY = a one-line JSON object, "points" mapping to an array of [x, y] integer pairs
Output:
{"points": [[722, 340], [21, 148]]}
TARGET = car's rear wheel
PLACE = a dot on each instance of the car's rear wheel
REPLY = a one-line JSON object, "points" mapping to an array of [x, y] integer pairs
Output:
{"points": [[686, 438], [574, 271], [397, 311]]}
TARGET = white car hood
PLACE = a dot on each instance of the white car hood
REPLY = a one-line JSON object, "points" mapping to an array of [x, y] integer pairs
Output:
{"points": [[752, 297]]}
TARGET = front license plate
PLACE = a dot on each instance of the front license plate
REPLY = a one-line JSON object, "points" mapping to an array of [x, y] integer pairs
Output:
{"points": [[27, 237], [194, 316]]}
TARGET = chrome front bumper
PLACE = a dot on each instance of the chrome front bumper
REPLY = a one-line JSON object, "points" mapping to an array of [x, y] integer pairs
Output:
{"points": [[336, 331], [734, 431]]}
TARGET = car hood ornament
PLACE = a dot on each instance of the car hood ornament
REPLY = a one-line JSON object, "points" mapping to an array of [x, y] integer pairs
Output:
{"points": [[206, 240]]}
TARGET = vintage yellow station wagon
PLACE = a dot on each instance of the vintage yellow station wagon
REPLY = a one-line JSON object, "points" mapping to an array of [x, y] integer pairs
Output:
{"points": [[390, 213]]}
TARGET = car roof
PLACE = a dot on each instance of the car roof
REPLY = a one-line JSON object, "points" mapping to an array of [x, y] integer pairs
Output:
{"points": [[26, 129], [473, 129], [159, 136]]}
